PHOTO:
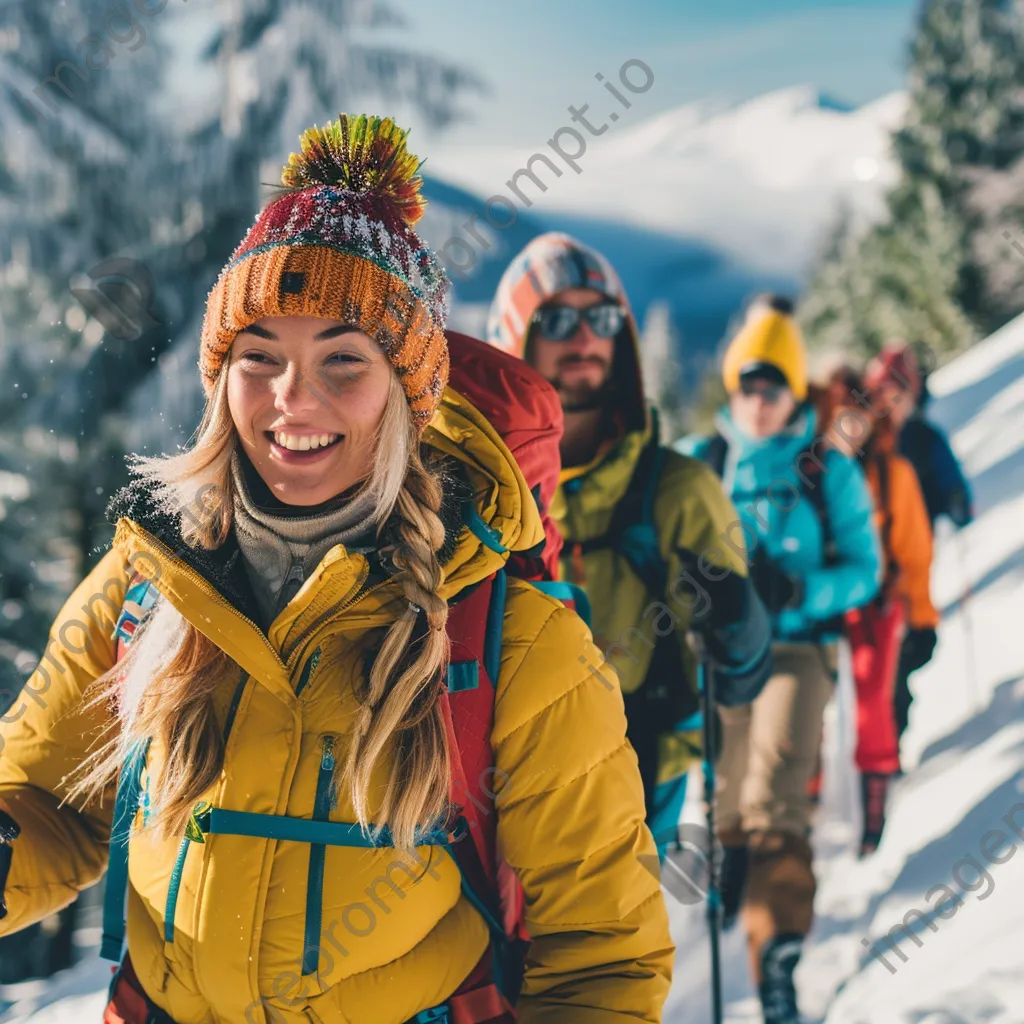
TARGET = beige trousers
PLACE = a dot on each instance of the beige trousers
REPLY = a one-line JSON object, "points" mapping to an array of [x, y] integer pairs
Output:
{"points": [[769, 753], [770, 747]]}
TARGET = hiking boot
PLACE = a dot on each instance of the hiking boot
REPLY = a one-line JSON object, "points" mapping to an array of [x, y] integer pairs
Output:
{"points": [[874, 789], [733, 882], [779, 957]]}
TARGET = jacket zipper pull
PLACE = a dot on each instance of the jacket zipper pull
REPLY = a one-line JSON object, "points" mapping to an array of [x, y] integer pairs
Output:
{"points": [[327, 757], [199, 817]]}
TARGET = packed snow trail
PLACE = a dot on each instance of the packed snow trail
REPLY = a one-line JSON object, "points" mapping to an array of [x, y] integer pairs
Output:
{"points": [[965, 771], [964, 756]]}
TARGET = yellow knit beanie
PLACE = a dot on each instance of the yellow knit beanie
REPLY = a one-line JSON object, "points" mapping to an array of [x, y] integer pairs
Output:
{"points": [[770, 335]]}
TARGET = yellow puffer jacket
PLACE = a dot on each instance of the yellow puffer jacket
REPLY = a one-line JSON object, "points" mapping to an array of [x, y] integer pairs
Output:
{"points": [[570, 817]]}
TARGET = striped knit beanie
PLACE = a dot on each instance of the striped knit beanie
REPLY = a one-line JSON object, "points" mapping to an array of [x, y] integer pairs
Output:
{"points": [[339, 244], [555, 262]]}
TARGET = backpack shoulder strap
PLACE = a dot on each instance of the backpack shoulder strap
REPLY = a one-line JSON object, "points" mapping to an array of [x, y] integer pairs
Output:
{"points": [[639, 542], [716, 452], [571, 595], [475, 628], [885, 507], [126, 803], [632, 532], [812, 487], [884, 495]]}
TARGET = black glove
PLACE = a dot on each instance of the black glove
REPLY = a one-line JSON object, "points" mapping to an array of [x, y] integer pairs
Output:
{"points": [[958, 508], [777, 589], [918, 646], [9, 831]]}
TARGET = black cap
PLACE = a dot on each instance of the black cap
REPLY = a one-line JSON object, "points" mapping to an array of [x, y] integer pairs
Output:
{"points": [[764, 371]]}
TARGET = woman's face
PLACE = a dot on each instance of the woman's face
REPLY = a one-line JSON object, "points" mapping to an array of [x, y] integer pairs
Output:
{"points": [[851, 429], [761, 408], [306, 396]]}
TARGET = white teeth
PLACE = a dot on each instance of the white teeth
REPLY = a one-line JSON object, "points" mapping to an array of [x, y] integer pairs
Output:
{"points": [[305, 443]]}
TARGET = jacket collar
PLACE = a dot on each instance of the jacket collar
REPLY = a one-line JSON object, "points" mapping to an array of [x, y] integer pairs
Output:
{"points": [[795, 437], [487, 510]]}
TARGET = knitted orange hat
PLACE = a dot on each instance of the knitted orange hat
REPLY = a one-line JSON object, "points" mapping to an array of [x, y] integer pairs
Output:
{"points": [[339, 244]]}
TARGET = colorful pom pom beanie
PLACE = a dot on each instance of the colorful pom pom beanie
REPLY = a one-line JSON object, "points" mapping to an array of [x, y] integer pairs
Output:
{"points": [[339, 244]]}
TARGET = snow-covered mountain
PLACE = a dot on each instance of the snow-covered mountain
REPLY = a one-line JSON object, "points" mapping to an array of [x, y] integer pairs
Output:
{"points": [[758, 180], [965, 775], [698, 206]]}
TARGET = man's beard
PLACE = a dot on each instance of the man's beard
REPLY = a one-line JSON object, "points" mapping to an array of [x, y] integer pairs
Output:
{"points": [[584, 396]]}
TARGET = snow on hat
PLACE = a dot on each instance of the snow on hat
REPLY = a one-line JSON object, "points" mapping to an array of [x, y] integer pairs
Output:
{"points": [[339, 244], [551, 263], [770, 336]]}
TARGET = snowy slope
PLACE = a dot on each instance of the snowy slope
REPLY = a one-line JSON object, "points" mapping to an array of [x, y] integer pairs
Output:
{"points": [[965, 754], [757, 180]]}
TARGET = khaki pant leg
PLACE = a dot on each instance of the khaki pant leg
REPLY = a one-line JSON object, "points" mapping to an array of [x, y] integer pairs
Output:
{"points": [[731, 771], [785, 735]]}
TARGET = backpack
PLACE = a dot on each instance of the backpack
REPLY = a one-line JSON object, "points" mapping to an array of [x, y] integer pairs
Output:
{"points": [[526, 412]]}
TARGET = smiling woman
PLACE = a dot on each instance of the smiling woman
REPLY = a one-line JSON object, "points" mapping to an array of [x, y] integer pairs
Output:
{"points": [[277, 704], [307, 397]]}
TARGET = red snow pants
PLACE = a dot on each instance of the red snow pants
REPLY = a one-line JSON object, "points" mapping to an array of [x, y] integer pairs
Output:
{"points": [[875, 633]]}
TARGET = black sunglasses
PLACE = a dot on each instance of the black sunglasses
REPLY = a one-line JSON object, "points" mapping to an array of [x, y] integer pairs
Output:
{"points": [[767, 389], [560, 323]]}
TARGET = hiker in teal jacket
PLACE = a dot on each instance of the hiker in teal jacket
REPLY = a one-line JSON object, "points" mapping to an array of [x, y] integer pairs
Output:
{"points": [[807, 519], [784, 532]]}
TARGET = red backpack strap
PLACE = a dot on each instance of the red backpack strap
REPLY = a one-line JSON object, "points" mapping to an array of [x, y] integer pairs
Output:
{"points": [[469, 702], [475, 626]]}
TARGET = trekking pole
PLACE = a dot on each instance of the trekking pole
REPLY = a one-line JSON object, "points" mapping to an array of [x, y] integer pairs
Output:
{"points": [[968, 593], [706, 689]]}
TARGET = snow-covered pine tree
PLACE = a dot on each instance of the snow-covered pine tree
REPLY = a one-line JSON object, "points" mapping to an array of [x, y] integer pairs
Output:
{"points": [[965, 119], [922, 273], [896, 279], [996, 200], [75, 142], [966, 85]]}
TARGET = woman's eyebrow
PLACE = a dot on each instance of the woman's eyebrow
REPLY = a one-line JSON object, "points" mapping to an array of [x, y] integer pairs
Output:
{"points": [[260, 332], [334, 332]]}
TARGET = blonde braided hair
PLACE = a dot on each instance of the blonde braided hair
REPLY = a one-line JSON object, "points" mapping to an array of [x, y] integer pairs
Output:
{"points": [[400, 697]]}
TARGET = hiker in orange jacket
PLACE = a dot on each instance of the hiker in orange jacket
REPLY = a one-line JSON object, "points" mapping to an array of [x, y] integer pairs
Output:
{"points": [[902, 612], [282, 727]]}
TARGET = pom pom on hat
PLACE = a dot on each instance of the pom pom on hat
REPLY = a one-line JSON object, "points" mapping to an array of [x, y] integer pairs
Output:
{"points": [[768, 336], [361, 154]]}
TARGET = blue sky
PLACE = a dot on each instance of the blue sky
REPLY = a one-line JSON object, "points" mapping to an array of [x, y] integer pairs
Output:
{"points": [[539, 56]]}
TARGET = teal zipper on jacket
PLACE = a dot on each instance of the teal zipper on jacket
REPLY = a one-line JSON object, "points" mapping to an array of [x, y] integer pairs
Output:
{"points": [[317, 858]]}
